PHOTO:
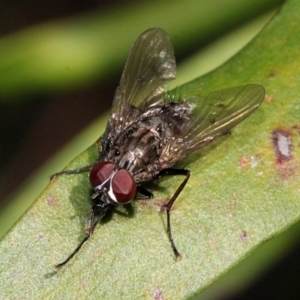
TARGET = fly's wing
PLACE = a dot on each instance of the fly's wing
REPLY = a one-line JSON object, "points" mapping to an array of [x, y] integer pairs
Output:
{"points": [[150, 65], [215, 115]]}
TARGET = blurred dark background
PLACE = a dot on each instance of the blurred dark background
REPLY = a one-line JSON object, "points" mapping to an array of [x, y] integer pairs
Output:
{"points": [[39, 125], [44, 124]]}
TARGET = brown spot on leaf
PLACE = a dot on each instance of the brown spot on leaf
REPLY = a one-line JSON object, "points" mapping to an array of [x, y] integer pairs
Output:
{"points": [[271, 74], [40, 236], [144, 202], [244, 236], [158, 294], [243, 161], [269, 99], [52, 201], [229, 216], [282, 144]]}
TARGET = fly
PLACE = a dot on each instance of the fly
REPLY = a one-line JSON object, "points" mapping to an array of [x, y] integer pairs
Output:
{"points": [[148, 132]]}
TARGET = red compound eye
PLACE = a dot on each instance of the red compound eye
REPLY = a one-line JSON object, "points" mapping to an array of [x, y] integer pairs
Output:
{"points": [[100, 172], [123, 186]]}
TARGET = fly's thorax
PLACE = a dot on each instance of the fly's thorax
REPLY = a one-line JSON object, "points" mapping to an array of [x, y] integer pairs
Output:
{"points": [[138, 146], [142, 146], [176, 115]]}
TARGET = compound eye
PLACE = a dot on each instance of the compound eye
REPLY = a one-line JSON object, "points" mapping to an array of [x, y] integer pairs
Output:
{"points": [[123, 186], [101, 172]]}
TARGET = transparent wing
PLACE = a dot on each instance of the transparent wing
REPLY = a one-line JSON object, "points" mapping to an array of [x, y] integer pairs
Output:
{"points": [[150, 65], [216, 114]]}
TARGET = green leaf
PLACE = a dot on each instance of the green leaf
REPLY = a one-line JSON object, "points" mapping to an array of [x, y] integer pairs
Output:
{"points": [[237, 197]]}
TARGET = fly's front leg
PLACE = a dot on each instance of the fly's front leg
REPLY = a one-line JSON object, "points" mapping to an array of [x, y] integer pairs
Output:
{"points": [[143, 194], [168, 206], [97, 213], [74, 171]]}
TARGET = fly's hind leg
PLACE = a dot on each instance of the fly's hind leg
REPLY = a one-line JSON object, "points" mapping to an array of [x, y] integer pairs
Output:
{"points": [[168, 206]]}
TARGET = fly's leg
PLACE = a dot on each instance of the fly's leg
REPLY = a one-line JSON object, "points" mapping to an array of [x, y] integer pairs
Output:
{"points": [[168, 206], [97, 213], [74, 171], [143, 194]]}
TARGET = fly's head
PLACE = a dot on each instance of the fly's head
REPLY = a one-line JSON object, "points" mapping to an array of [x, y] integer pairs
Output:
{"points": [[112, 186]]}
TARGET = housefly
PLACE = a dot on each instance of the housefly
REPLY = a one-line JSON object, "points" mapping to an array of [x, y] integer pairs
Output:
{"points": [[148, 131]]}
